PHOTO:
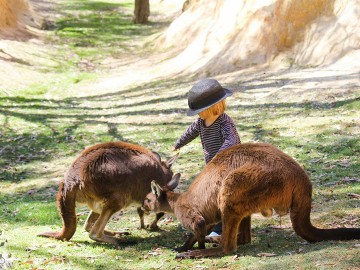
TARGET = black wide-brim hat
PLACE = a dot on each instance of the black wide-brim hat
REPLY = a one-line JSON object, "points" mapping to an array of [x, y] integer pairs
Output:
{"points": [[204, 94]]}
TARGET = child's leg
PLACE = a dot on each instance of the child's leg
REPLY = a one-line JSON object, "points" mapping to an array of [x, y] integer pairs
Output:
{"points": [[217, 228]]}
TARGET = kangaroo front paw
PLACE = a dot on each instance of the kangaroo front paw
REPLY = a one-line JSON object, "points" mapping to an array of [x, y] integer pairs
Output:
{"points": [[181, 249], [213, 239], [116, 234], [154, 228], [193, 254], [201, 253]]}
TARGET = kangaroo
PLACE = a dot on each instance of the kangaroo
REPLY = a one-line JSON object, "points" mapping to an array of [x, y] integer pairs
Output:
{"points": [[239, 181], [108, 177]]}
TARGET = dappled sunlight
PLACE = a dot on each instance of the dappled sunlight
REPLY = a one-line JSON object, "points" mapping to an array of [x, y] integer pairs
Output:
{"points": [[338, 40], [46, 174], [158, 108], [243, 34], [94, 77]]}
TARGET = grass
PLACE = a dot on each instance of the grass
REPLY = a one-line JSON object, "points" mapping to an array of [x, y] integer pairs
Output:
{"points": [[44, 126]]}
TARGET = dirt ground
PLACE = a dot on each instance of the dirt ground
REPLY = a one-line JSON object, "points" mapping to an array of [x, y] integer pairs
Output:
{"points": [[21, 57]]}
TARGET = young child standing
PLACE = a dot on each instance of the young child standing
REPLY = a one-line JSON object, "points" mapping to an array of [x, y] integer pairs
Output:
{"points": [[216, 129]]}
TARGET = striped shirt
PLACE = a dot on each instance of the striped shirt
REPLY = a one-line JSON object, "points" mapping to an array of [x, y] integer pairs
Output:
{"points": [[215, 138]]}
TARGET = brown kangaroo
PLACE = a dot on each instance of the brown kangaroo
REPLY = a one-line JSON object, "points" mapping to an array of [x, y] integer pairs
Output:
{"points": [[238, 182], [108, 177]]}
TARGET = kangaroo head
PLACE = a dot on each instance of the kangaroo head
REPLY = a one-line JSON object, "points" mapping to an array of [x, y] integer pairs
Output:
{"points": [[166, 166], [157, 199]]}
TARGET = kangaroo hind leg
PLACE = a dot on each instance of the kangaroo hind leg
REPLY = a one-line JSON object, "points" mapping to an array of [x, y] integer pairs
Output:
{"points": [[98, 233], [244, 234], [231, 223], [90, 221], [240, 195]]}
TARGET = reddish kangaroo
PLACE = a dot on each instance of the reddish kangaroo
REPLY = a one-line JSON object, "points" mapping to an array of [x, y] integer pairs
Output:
{"points": [[238, 182], [107, 177]]}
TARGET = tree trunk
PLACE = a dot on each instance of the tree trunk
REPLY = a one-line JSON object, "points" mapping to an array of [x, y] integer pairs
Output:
{"points": [[141, 11], [187, 4]]}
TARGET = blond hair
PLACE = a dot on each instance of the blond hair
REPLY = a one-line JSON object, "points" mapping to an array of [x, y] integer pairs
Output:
{"points": [[215, 109]]}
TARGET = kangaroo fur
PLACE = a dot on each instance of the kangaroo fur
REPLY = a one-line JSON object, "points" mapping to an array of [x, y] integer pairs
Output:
{"points": [[239, 181], [107, 177]]}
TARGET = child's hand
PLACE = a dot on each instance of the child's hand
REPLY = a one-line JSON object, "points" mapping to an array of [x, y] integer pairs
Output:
{"points": [[175, 150]]}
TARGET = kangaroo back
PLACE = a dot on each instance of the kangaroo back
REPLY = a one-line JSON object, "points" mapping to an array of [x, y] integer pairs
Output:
{"points": [[107, 177], [242, 180]]}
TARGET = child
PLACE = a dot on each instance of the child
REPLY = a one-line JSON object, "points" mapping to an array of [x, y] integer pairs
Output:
{"points": [[216, 129]]}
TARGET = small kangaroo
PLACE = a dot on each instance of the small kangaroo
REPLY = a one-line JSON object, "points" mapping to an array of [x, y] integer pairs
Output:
{"points": [[108, 177], [239, 181]]}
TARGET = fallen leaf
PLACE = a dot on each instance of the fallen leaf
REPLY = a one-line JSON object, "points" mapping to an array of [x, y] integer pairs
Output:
{"points": [[354, 195], [265, 254], [201, 267], [154, 253], [280, 227], [166, 220], [31, 191], [51, 245], [55, 260], [28, 262], [32, 248]]}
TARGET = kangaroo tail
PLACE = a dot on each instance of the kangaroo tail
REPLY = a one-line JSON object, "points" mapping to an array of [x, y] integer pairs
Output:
{"points": [[66, 206], [300, 218]]}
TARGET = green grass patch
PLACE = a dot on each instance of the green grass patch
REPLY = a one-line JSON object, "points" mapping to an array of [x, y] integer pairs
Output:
{"points": [[92, 31], [43, 128], [39, 136]]}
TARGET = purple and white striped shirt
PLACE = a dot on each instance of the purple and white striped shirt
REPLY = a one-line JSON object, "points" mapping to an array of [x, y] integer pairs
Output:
{"points": [[215, 138]]}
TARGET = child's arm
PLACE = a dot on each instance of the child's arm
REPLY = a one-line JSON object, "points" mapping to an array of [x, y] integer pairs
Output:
{"points": [[190, 134], [229, 132]]}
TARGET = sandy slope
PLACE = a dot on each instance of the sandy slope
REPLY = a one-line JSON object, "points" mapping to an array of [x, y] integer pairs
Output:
{"points": [[232, 41], [222, 36]]}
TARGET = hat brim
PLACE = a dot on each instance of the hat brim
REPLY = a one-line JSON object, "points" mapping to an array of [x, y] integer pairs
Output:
{"points": [[191, 112]]}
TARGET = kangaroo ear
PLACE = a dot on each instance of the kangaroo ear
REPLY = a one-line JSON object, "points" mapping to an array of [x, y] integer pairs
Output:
{"points": [[157, 156], [172, 160], [155, 188], [174, 182]]}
